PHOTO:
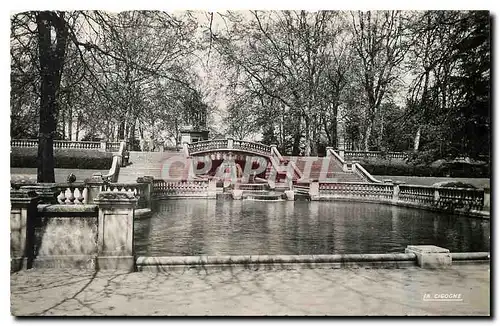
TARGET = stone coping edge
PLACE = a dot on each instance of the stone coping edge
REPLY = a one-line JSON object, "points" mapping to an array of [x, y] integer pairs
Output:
{"points": [[286, 259], [272, 259]]}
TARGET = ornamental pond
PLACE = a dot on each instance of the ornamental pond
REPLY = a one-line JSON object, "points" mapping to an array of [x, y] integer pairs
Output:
{"points": [[187, 227]]}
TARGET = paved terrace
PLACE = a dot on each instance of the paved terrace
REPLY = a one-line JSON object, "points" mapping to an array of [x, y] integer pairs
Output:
{"points": [[241, 291]]}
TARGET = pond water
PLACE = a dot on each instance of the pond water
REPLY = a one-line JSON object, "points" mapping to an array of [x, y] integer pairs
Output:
{"points": [[225, 227]]}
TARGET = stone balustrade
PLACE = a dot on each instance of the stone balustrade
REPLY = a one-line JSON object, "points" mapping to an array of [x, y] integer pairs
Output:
{"points": [[353, 155], [190, 188], [359, 190], [84, 193], [24, 143], [113, 146], [97, 236], [70, 144], [420, 195], [460, 200], [207, 145], [252, 147], [72, 194], [468, 199], [251, 186], [229, 144]]}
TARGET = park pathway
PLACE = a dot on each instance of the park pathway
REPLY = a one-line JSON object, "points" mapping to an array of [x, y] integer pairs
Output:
{"points": [[353, 292]]}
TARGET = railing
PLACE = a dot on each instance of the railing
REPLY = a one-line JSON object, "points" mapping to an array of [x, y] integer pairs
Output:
{"points": [[72, 194], [420, 195], [359, 170], [468, 199], [448, 199], [136, 188], [375, 154], [70, 144], [252, 186], [357, 189], [229, 144], [162, 188], [77, 144], [24, 143], [207, 145], [281, 165], [113, 146], [352, 167]]}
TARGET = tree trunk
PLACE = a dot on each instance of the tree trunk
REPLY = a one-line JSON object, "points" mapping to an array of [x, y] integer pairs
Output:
{"points": [[51, 57], [307, 151], [121, 130], [366, 138], [78, 118]]}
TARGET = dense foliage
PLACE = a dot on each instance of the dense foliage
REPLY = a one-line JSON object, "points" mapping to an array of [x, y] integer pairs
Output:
{"points": [[375, 80]]}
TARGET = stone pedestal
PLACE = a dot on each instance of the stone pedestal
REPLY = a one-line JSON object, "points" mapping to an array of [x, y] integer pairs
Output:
{"points": [[94, 186], [431, 257], [314, 190], [115, 244], [102, 148], [212, 189], [290, 195], [237, 194], [486, 200], [148, 189], [22, 228], [395, 192]]}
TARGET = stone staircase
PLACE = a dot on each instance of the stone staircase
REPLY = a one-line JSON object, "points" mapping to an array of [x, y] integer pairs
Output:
{"points": [[160, 165], [155, 164]]}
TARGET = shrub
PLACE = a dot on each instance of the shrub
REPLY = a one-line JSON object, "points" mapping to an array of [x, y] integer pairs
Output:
{"points": [[462, 170]]}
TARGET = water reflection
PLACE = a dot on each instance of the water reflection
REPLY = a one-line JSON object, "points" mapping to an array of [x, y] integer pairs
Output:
{"points": [[195, 227]]}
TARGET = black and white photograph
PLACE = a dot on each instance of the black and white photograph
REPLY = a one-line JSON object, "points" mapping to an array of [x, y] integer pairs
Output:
{"points": [[255, 162]]}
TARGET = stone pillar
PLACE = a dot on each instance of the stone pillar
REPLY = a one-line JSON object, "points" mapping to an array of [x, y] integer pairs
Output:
{"points": [[103, 147], [395, 192], [212, 189], [148, 189], [436, 196], [230, 143], [431, 257], [486, 200], [22, 229], [290, 195], [314, 190], [94, 186], [115, 239], [185, 149], [274, 148]]}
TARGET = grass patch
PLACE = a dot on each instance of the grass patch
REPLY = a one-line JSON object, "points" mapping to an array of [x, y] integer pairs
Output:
{"points": [[64, 158]]}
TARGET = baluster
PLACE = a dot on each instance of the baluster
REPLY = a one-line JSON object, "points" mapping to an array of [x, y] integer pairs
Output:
{"points": [[85, 195], [78, 196], [70, 198], [61, 199]]}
